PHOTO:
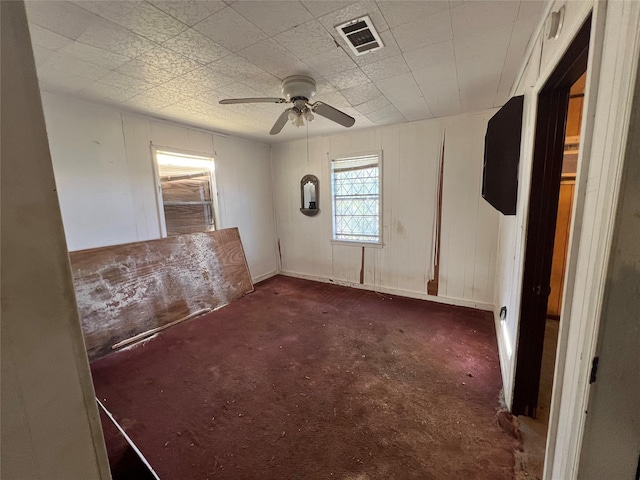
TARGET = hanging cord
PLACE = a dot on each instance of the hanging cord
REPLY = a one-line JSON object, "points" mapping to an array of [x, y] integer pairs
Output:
{"points": [[307, 142]]}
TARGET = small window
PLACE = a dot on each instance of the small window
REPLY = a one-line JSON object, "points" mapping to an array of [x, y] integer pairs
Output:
{"points": [[355, 189], [186, 189]]}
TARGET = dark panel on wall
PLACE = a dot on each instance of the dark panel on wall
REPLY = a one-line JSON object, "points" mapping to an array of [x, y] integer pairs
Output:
{"points": [[502, 156]]}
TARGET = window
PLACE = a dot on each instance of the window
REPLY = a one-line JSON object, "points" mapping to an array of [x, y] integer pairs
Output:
{"points": [[186, 192], [355, 191]]}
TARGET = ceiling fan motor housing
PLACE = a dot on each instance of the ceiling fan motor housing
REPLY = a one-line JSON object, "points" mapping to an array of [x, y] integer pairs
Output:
{"points": [[298, 87]]}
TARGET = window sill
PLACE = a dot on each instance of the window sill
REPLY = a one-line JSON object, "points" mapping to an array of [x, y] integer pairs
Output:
{"points": [[349, 243]]}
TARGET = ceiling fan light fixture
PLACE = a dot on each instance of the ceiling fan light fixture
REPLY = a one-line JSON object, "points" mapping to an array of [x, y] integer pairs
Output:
{"points": [[298, 90], [297, 119]]}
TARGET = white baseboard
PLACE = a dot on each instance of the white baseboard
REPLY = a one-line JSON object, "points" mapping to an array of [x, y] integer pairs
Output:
{"points": [[393, 291], [505, 353], [260, 278]]}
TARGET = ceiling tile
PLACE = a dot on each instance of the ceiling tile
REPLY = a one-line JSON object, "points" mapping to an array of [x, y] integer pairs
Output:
{"points": [[425, 31], [335, 99], [162, 57], [520, 36], [473, 17], [501, 98], [331, 62], [307, 40], [212, 97], [323, 86], [388, 67], [64, 64], [230, 29], [235, 67], [416, 110], [404, 93], [273, 17], [373, 105], [490, 44], [439, 86], [479, 97], [147, 102], [62, 82], [382, 113], [391, 119], [475, 71], [107, 93], [41, 55], [265, 83], [351, 12], [46, 38], [143, 71], [189, 12], [109, 36], [430, 56], [125, 82], [362, 93], [206, 77], [194, 45], [95, 55], [348, 79], [166, 94], [139, 17], [239, 90], [322, 7], [274, 59], [194, 105], [399, 12], [63, 18], [531, 7]]}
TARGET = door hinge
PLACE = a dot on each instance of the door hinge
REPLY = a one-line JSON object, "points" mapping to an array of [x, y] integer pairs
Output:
{"points": [[594, 370]]}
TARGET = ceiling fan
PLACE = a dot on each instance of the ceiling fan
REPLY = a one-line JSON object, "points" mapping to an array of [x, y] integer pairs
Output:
{"points": [[298, 90]]}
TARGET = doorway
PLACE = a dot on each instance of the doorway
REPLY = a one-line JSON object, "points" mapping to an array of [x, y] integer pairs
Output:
{"points": [[548, 224]]}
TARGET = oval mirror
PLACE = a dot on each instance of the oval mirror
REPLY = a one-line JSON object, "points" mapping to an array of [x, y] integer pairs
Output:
{"points": [[309, 195]]}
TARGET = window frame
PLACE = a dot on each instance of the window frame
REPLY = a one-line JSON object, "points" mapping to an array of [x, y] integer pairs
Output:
{"points": [[155, 149], [358, 243]]}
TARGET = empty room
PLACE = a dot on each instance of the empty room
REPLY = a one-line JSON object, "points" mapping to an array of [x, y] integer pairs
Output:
{"points": [[320, 239]]}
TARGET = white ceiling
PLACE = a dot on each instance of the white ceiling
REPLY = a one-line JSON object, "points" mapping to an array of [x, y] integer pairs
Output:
{"points": [[177, 59]]}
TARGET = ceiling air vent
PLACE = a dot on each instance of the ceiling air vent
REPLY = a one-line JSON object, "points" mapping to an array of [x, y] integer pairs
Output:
{"points": [[360, 35]]}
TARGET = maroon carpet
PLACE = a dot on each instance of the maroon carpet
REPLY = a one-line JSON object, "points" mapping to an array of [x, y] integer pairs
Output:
{"points": [[305, 380]]}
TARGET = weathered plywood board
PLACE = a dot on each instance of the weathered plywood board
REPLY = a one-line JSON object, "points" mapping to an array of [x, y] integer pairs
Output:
{"points": [[127, 289]]}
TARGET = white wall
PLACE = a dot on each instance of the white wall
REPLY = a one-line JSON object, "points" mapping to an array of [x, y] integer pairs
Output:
{"points": [[612, 447], [50, 423], [543, 56], [613, 58], [411, 153], [104, 173]]}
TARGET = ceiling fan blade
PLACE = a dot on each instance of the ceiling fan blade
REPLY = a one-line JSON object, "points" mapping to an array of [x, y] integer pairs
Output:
{"points": [[230, 101], [333, 114], [280, 122]]}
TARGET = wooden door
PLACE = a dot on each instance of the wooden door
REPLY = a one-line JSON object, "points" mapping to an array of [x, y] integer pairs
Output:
{"points": [[560, 244]]}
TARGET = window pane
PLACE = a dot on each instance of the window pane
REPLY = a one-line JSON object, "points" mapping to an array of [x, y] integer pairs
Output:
{"points": [[186, 184], [356, 206]]}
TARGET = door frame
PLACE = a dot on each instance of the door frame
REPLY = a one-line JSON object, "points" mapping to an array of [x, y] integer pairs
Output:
{"points": [[551, 117]]}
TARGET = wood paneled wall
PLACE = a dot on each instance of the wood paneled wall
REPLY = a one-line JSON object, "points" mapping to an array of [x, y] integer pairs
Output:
{"points": [[104, 174], [124, 290], [410, 153]]}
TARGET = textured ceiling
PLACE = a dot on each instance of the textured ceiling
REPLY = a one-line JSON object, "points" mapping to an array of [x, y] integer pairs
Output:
{"points": [[177, 59]]}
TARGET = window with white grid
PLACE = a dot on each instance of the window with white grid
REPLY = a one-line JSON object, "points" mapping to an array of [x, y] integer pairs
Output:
{"points": [[355, 189]]}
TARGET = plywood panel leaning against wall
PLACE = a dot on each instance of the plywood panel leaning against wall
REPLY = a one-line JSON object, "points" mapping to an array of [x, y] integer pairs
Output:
{"points": [[128, 289]]}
